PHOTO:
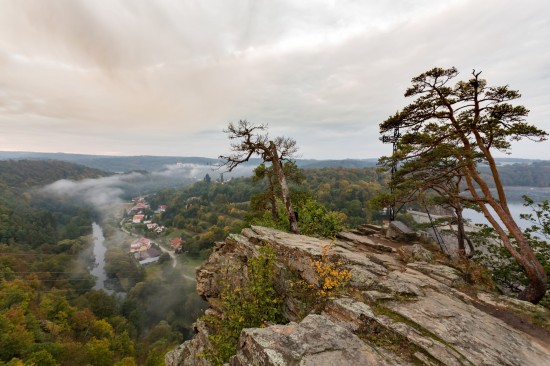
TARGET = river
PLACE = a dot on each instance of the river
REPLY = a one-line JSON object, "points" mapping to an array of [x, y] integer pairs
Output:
{"points": [[99, 257]]}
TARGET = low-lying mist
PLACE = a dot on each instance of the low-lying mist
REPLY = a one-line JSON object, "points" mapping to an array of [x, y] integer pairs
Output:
{"points": [[102, 193], [165, 296]]}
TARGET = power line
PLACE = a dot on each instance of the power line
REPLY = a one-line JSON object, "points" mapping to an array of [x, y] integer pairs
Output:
{"points": [[19, 272], [36, 254], [46, 291]]}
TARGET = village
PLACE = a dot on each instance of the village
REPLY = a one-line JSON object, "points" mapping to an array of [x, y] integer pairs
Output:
{"points": [[139, 222]]}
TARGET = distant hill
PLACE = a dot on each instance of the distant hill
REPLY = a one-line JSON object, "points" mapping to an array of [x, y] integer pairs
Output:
{"points": [[29, 173], [119, 164], [514, 174], [514, 171], [29, 218], [116, 164], [345, 163]]}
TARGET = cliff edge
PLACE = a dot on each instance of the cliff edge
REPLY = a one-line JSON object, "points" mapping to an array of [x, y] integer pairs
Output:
{"points": [[401, 307]]}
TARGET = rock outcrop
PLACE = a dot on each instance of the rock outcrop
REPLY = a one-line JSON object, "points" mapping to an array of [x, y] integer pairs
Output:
{"points": [[396, 312]]}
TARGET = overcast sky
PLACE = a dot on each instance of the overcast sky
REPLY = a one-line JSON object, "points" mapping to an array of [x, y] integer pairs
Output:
{"points": [[164, 77]]}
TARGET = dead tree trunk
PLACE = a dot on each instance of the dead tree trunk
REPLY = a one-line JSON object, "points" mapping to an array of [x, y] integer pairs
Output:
{"points": [[278, 169]]}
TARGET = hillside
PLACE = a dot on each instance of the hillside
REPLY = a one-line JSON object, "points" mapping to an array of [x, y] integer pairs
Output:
{"points": [[402, 306], [514, 171], [114, 164], [32, 219], [29, 173], [53, 310], [157, 163]]}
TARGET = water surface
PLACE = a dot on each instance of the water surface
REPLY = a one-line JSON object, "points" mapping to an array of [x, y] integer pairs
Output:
{"points": [[99, 254]]}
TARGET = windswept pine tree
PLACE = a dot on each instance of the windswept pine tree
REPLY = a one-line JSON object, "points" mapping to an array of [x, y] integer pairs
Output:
{"points": [[471, 120]]}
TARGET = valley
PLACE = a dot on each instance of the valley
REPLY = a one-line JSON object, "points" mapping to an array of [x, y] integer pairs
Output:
{"points": [[147, 297]]}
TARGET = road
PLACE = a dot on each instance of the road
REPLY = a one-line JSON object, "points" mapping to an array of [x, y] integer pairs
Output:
{"points": [[172, 255]]}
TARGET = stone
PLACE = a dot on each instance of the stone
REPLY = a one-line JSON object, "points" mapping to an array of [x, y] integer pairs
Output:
{"points": [[444, 274], [415, 253], [375, 296], [418, 303], [479, 337], [397, 230], [397, 283], [189, 353], [363, 240], [361, 278], [315, 341], [347, 313]]}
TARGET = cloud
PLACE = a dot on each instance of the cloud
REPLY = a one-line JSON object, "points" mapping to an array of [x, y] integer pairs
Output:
{"points": [[142, 77]]}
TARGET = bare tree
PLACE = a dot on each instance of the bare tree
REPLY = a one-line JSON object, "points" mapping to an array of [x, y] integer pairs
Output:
{"points": [[249, 140], [292, 174]]}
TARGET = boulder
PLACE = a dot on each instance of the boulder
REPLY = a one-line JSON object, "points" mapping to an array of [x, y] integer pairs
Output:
{"points": [[315, 341], [399, 231]]}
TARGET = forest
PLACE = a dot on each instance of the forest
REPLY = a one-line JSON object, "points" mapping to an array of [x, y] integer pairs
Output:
{"points": [[49, 313], [48, 301]]}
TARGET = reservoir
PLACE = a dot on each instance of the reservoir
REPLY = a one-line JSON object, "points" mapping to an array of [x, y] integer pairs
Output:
{"points": [[516, 210]]}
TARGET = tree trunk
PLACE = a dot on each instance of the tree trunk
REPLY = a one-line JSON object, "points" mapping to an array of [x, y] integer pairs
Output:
{"points": [[284, 188], [461, 235], [538, 279], [536, 275], [471, 246], [272, 198]]}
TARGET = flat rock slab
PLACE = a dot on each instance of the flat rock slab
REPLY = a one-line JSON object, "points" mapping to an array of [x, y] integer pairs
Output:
{"points": [[401, 227], [363, 240], [479, 337], [315, 341]]}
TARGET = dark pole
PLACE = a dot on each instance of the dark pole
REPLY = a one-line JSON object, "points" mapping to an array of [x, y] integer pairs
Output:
{"points": [[393, 139]]}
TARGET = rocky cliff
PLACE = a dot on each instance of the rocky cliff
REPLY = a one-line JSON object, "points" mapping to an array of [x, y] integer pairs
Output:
{"points": [[402, 307]]}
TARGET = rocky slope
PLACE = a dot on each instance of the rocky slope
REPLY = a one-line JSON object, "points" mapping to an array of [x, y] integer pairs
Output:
{"points": [[402, 308]]}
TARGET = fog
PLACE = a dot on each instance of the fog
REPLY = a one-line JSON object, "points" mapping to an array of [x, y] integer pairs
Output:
{"points": [[102, 193], [168, 295]]}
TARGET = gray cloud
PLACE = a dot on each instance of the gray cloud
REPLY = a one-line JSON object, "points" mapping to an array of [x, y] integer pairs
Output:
{"points": [[142, 77]]}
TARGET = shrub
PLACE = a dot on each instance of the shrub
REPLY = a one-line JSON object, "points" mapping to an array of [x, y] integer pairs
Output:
{"points": [[330, 276], [314, 219], [253, 305]]}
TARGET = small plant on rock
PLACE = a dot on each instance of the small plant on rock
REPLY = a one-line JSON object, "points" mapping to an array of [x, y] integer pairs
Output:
{"points": [[329, 275], [250, 306]]}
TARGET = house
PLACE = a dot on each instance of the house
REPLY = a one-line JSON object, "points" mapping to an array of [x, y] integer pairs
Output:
{"points": [[148, 256], [139, 207], [151, 226], [162, 208], [136, 219], [140, 245], [176, 243]]}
